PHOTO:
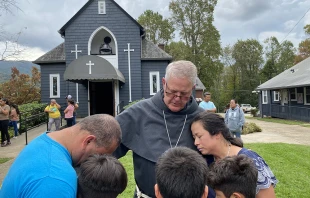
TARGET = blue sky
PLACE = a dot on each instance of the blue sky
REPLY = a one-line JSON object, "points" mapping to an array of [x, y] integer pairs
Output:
{"points": [[40, 20]]}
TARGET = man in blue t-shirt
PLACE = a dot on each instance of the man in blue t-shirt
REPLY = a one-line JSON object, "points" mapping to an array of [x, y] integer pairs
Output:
{"points": [[207, 104], [45, 167]]}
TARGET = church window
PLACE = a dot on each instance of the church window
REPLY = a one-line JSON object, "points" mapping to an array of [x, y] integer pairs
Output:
{"points": [[54, 86], [154, 83], [101, 7]]}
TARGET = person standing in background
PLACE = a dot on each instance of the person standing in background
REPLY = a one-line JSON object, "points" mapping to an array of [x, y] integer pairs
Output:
{"points": [[69, 113], [207, 104], [14, 118], [4, 122], [234, 118], [54, 114], [76, 106]]}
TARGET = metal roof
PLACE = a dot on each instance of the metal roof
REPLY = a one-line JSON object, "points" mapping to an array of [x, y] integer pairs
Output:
{"points": [[150, 51], [296, 76]]}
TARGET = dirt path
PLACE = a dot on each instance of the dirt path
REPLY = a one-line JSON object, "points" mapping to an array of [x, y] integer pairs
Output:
{"points": [[274, 132]]}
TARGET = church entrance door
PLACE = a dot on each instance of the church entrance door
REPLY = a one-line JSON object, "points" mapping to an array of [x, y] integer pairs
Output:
{"points": [[101, 95]]}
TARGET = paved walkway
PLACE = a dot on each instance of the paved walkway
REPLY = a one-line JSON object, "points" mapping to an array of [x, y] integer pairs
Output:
{"points": [[272, 132], [17, 145]]}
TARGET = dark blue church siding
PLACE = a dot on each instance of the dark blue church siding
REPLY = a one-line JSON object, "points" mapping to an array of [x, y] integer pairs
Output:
{"points": [[150, 66], [125, 31]]}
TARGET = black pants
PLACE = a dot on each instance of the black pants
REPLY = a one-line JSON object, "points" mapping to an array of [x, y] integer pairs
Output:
{"points": [[4, 128], [69, 122]]}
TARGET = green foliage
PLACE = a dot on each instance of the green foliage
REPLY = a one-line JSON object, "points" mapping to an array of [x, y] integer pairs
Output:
{"points": [[250, 127], [128, 165], [35, 112], [132, 103], [254, 112], [279, 58], [200, 37], [3, 160], [290, 163], [248, 56], [279, 157], [158, 29]]}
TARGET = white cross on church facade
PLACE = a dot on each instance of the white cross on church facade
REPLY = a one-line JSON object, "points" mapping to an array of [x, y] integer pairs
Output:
{"points": [[129, 50], [89, 64], [76, 51]]}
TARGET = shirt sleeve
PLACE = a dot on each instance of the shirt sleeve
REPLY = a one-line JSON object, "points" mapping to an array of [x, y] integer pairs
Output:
{"points": [[265, 175]]}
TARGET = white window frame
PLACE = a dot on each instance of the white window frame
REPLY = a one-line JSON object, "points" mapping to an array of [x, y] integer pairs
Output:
{"points": [[152, 73], [305, 95], [51, 85], [276, 96], [101, 11], [295, 99], [264, 93]]}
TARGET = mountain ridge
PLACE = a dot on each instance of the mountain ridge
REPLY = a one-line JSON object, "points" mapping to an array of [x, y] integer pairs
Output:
{"points": [[24, 67]]}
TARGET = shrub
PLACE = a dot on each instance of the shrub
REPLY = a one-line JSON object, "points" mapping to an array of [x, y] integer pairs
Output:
{"points": [[31, 115], [132, 103], [254, 112], [250, 127]]}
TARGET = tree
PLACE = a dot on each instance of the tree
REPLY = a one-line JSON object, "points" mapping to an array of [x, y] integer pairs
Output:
{"points": [[279, 58], [179, 51], [9, 41], [193, 18], [249, 58], [304, 47], [157, 29], [22, 88], [287, 56]]}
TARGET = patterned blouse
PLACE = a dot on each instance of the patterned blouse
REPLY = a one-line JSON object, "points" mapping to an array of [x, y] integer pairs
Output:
{"points": [[265, 175]]}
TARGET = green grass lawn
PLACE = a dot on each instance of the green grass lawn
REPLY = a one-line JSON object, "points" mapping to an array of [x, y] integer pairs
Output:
{"points": [[3, 160], [282, 121], [290, 163]]}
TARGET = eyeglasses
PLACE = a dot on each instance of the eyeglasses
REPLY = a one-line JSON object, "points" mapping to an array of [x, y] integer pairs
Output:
{"points": [[173, 94]]}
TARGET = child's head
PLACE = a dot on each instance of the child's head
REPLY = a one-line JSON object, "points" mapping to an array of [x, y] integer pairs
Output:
{"points": [[101, 176], [181, 172], [233, 177]]}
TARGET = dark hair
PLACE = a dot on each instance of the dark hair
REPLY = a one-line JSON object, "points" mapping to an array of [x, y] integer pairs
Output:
{"points": [[16, 108], [181, 172], [5, 100], [101, 176], [105, 127], [71, 101], [215, 124], [234, 100], [234, 174], [206, 94]]}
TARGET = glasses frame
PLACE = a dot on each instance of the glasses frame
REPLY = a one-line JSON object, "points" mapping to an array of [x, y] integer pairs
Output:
{"points": [[183, 96]]}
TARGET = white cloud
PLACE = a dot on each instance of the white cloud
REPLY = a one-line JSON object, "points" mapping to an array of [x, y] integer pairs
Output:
{"points": [[293, 37], [21, 52]]}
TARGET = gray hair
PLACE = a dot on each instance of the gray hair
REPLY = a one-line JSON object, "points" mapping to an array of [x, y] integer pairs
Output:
{"points": [[182, 69], [105, 127]]}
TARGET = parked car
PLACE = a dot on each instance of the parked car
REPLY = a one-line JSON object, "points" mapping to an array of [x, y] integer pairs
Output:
{"points": [[246, 107]]}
